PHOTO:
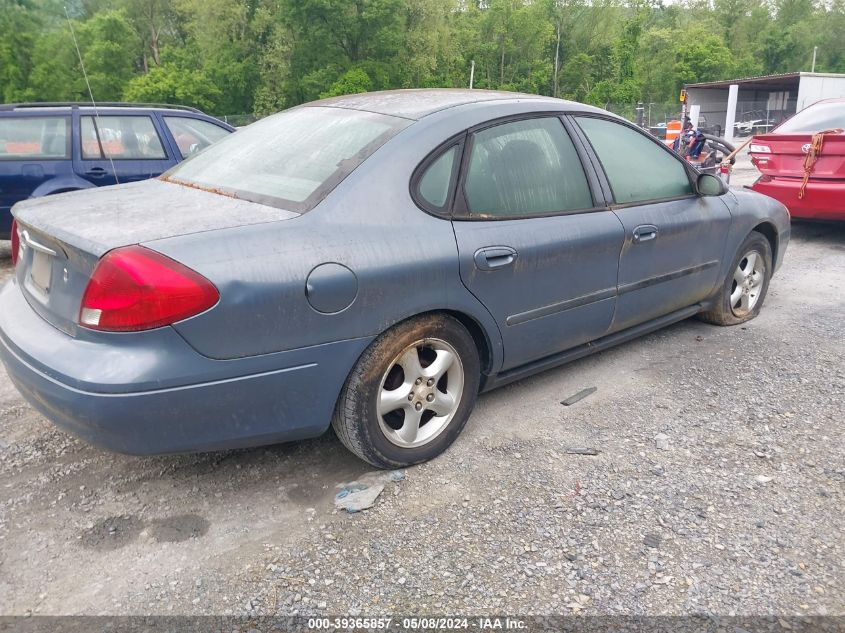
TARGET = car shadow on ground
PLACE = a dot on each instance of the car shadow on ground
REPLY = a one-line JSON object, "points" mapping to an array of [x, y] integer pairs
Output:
{"points": [[832, 233]]}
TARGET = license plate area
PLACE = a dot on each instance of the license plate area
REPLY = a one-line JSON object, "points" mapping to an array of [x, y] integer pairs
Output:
{"points": [[41, 271]]}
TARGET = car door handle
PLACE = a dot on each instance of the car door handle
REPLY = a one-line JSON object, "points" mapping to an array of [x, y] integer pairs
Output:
{"points": [[96, 172], [645, 233], [494, 257]]}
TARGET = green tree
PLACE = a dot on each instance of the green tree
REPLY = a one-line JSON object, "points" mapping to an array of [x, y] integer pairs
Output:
{"points": [[170, 84], [20, 25], [108, 47], [352, 81]]}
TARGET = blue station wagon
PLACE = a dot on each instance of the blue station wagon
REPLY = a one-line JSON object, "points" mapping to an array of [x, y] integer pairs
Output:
{"points": [[55, 148]]}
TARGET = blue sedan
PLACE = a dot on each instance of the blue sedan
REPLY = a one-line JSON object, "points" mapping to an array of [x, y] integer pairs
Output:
{"points": [[370, 262]]}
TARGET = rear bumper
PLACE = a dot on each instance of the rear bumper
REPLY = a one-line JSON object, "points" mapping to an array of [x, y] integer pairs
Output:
{"points": [[219, 404], [823, 199]]}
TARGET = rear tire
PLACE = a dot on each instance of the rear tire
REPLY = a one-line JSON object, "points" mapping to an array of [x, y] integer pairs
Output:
{"points": [[743, 292], [410, 394]]}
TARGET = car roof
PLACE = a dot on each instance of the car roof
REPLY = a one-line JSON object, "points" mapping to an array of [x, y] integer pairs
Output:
{"points": [[419, 103]]}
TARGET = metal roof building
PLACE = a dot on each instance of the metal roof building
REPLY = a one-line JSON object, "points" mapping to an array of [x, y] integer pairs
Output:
{"points": [[742, 106]]}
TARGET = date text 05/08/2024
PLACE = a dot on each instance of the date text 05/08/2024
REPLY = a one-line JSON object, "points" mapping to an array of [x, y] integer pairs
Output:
{"points": [[422, 623]]}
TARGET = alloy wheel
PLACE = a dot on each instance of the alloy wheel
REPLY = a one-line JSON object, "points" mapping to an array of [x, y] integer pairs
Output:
{"points": [[420, 393], [747, 283]]}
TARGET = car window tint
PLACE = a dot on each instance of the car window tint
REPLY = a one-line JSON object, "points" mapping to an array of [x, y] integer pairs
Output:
{"points": [[25, 138], [434, 184], [292, 159], [525, 168], [638, 169], [193, 135], [120, 138]]}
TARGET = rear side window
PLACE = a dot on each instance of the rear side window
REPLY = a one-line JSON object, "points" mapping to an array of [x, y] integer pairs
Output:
{"points": [[34, 138], [120, 138], [525, 168], [292, 159], [638, 169], [193, 135], [434, 184]]}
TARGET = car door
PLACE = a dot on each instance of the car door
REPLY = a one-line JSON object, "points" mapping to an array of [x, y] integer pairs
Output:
{"points": [[536, 244], [33, 150], [674, 238], [119, 148]]}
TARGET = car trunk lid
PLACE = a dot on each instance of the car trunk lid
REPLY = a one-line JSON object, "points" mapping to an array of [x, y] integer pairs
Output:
{"points": [[63, 237], [788, 152]]}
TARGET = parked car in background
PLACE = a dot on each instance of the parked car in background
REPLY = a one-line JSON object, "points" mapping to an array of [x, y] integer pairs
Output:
{"points": [[371, 262], [780, 156], [54, 148]]}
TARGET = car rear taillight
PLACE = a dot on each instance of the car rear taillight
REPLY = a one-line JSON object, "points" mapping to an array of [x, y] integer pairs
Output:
{"points": [[135, 288], [16, 243], [760, 149]]}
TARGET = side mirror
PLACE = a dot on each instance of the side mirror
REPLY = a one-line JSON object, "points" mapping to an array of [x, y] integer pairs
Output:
{"points": [[710, 185]]}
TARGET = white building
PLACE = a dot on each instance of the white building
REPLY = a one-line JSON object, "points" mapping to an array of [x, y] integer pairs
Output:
{"points": [[759, 103]]}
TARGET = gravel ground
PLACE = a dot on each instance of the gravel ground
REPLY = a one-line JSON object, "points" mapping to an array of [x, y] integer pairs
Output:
{"points": [[718, 489]]}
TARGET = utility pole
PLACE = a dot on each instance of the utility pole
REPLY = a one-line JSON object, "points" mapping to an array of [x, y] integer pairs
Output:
{"points": [[815, 49], [557, 62], [472, 74]]}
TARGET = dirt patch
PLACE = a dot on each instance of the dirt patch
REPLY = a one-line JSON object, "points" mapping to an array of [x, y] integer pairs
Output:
{"points": [[112, 533], [178, 528]]}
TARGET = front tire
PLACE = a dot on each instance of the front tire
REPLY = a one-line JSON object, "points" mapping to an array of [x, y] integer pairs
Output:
{"points": [[743, 292], [411, 392]]}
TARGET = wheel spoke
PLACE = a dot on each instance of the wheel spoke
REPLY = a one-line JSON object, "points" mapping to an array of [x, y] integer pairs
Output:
{"points": [[736, 295], [745, 302], [739, 276], [750, 263], [411, 427], [444, 403], [410, 364], [394, 399], [440, 365]]}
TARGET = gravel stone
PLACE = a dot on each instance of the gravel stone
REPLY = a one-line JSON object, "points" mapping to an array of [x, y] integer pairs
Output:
{"points": [[505, 521]]}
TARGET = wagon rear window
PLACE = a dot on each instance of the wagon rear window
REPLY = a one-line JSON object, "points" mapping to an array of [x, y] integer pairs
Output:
{"points": [[292, 159], [34, 138]]}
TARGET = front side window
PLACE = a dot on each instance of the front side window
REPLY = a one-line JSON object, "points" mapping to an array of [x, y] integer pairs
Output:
{"points": [[193, 135], [120, 138], [34, 138], [638, 169], [525, 168], [292, 159]]}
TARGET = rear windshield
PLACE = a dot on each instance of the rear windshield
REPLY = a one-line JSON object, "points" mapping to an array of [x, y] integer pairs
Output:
{"points": [[816, 118], [34, 138], [292, 159]]}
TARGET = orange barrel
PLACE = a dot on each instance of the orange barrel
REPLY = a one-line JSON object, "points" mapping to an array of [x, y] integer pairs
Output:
{"points": [[673, 130]]}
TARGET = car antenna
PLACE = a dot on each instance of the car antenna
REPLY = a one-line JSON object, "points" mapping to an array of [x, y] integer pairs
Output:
{"points": [[90, 94]]}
